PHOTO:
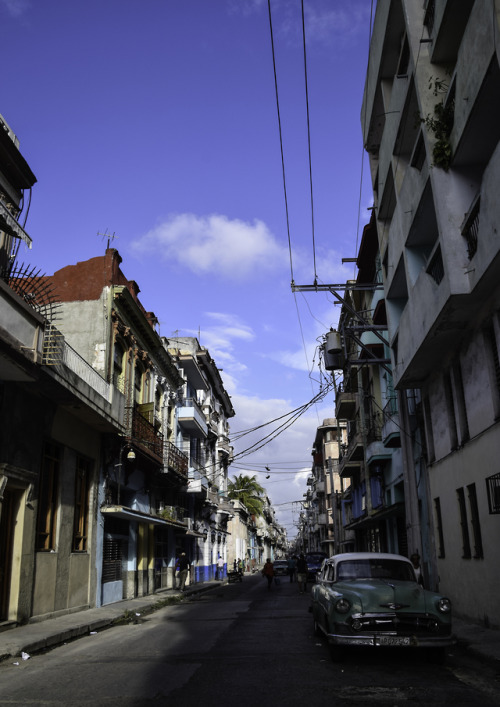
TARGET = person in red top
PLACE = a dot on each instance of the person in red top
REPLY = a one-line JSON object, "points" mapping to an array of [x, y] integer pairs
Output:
{"points": [[268, 572]]}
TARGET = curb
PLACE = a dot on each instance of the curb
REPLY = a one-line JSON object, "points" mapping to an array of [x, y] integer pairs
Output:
{"points": [[45, 635]]}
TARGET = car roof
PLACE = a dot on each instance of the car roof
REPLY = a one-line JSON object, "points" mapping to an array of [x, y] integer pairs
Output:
{"points": [[368, 556]]}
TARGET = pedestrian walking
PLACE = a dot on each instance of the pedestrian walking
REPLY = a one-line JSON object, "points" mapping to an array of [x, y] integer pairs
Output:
{"points": [[220, 569], [292, 566], [184, 567], [268, 572], [302, 573]]}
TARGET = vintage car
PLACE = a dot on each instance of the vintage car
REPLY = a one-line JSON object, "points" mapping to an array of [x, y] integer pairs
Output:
{"points": [[314, 561], [374, 599], [280, 568]]}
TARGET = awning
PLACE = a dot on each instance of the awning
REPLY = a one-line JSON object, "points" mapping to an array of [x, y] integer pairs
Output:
{"points": [[129, 514]]}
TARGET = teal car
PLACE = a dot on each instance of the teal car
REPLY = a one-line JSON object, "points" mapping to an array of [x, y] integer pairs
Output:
{"points": [[374, 599]]}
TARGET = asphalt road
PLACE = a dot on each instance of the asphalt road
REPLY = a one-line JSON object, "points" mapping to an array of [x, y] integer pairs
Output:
{"points": [[239, 645]]}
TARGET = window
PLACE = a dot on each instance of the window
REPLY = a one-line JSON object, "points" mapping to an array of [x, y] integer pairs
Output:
{"points": [[436, 267], [82, 496], [475, 522], [493, 489], [119, 367], [466, 553], [439, 527], [404, 59], [48, 497], [419, 154]]}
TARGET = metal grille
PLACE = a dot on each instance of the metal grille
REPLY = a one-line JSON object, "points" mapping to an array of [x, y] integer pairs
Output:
{"points": [[112, 560], [493, 489]]}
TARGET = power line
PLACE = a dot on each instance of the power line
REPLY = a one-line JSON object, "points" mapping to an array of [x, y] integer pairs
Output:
{"points": [[309, 140], [281, 139]]}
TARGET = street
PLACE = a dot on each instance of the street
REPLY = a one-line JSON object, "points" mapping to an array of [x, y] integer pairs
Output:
{"points": [[238, 644]]}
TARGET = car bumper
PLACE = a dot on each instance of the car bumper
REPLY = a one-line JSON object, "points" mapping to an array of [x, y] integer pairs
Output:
{"points": [[392, 640]]}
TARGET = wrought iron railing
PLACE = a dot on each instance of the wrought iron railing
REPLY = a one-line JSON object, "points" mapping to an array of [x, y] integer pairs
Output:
{"points": [[176, 460], [145, 435]]}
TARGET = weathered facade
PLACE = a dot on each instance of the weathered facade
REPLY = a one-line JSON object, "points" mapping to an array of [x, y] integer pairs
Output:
{"points": [[54, 410], [203, 412], [435, 183]]}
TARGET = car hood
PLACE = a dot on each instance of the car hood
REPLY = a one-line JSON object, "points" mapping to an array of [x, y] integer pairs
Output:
{"points": [[376, 595]]}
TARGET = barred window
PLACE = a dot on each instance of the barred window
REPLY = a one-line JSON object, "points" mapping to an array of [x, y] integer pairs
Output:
{"points": [[493, 489]]}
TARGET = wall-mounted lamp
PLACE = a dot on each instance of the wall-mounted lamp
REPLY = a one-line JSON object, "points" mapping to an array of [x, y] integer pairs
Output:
{"points": [[131, 455]]}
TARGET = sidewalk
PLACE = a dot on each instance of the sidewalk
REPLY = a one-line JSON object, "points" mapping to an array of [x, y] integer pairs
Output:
{"points": [[38, 636]]}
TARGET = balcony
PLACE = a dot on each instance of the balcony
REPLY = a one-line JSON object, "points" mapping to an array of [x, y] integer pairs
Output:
{"points": [[191, 418], [145, 436], [175, 460], [174, 514], [346, 403], [391, 431]]}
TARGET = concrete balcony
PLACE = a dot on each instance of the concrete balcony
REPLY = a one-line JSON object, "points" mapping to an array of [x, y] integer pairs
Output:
{"points": [[391, 431], [191, 418], [346, 404]]}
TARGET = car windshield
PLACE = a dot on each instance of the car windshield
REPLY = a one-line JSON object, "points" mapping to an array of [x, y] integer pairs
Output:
{"points": [[375, 569]]}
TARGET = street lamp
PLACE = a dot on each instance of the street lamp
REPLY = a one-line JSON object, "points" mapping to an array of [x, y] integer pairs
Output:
{"points": [[130, 458]]}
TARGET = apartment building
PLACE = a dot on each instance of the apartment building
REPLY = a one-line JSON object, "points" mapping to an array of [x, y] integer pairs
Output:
{"points": [[55, 410], [431, 126], [322, 499], [370, 465], [203, 411]]}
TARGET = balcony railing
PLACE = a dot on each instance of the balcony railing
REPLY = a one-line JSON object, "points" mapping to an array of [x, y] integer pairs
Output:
{"points": [[176, 460], [145, 436], [56, 352], [470, 227], [175, 513]]}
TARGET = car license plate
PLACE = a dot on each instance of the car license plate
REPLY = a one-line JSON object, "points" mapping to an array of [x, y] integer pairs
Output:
{"points": [[394, 640]]}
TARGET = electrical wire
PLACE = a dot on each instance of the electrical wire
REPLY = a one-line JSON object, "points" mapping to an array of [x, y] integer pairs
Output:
{"points": [[281, 140], [309, 139], [364, 133]]}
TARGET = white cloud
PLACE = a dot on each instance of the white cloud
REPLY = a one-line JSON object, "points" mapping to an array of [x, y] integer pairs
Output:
{"points": [[292, 446], [15, 8], [214, 244]]}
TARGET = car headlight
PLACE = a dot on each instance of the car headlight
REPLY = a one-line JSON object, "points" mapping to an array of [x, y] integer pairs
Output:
{"points": [[444, 605], [342, 606]]}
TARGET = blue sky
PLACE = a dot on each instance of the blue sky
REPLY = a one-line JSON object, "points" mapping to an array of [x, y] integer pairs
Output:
{"points": [[156, 121]]}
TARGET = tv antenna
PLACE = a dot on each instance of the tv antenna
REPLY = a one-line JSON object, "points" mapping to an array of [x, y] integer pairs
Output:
{"points": [[110, 236]]}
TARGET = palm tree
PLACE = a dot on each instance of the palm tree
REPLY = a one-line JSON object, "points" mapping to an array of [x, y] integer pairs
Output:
{"points": [[248, 491]]}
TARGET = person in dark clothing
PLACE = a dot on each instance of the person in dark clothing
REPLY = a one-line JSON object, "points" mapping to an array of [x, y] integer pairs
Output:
{"points": [[302, 573], [184, 567], [268, 572]]}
